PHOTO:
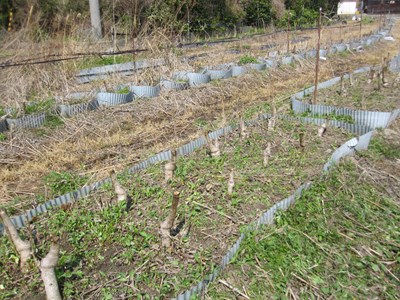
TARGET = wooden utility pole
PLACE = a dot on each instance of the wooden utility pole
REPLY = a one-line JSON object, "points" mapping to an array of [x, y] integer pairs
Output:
{"points": [[317, 60], [288, 31], [95, 19]]}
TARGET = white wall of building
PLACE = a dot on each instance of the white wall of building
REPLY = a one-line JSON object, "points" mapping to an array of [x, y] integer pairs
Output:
{"points": [[347, 8]]}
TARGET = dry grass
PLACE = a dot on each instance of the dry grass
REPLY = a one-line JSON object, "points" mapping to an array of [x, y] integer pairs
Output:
{"points": [[118, 137], [33, 82]]}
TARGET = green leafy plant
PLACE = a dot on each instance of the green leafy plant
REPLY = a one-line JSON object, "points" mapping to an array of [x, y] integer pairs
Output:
{"points": [[63, 182], [39, 106], [53, 121], [247, 60], [105, 61], [124, 90]]}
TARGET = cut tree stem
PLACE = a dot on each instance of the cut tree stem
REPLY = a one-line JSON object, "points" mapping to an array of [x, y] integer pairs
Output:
{"points": [[23, 248], [170, 166], [317, 60], [231, 183], [243, 129], [267, 154], [322, 130], [119, 190], [272, 120], [301, 139], [213, 146], [47, 270], [168, 223]]}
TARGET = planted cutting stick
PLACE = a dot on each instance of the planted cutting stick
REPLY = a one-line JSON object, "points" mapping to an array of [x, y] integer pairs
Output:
{"points": [[23, 248], [213, 146], [272, 120], [267, 154], [351, 79], [342, 91], [379, 80], [243, 129], [301, 140], [47, 269], [322, 130], [119, 190], [231, 183], [170, 166], [371, 75], [168, 223], [384, 70]]}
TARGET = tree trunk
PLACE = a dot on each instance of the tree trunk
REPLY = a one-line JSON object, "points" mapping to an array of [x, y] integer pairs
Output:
{"points": [[24, 248], [95, 19], [47, 265]]}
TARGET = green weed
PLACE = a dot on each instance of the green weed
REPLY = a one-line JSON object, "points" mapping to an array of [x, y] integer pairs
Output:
{"points": [[332, 243], [39, 106], [247, 60], [61, 183], [124, 90], [382, 148], [104, 61]]}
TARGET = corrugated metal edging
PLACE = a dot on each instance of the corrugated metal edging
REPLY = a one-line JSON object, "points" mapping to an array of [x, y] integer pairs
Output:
{"points": [[129, 66], [30, 121], [394, 116], [196, 79], [162, 156], [3, 125], [111, 99], [218, 74], [353, 128], [372, 119], [346, 149], [311, 53], [362, 70], [145, 91], [364, 140], [219, 132], [287, 60], [76, 95], [394, 64], [257, 67], [123, 67], [173, 85], [341, 47], [238, 70], [71, 110], [328, 83], [332, 50], [190, 147], [181, 75]]}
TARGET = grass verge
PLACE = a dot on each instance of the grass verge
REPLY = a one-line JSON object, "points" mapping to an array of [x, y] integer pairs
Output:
{"points": [[340, 241]]}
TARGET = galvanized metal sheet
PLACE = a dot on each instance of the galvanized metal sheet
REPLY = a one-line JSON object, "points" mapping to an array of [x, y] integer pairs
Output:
{"points": [[145, 91], [173, 85], [258, 67], [196, 79], [112, 99], [238, 71], [218, 74], [30, 121]]}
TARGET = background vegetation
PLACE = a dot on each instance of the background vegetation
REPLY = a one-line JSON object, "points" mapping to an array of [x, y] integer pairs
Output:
{"points": [[173, 16]]}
